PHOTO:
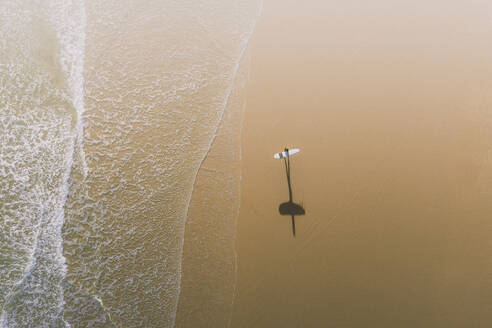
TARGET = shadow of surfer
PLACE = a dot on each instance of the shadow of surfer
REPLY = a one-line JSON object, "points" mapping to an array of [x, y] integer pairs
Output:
{"points": [[290, 208]]}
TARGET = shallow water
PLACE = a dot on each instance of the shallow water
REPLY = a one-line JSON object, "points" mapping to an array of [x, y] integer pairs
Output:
{"points": [[108, 111]]}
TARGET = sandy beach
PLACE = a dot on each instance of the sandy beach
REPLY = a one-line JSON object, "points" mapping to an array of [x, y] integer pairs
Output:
{"points": [[390, 106]]}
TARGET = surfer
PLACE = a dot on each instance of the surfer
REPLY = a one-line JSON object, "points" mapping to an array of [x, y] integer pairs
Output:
{"points": [[289, 208]]}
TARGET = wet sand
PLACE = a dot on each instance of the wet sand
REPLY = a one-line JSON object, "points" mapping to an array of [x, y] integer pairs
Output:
{"points": [[208, 279], [390, 106]]}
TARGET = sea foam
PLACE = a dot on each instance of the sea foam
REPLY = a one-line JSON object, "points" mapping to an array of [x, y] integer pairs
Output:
{"points": [[39, 112]]}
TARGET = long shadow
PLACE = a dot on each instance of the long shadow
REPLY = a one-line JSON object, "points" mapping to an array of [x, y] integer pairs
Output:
{"points": [[290, 208]]}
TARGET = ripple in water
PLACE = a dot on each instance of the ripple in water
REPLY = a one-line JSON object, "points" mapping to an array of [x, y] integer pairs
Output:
{"points": [[108, 109]]}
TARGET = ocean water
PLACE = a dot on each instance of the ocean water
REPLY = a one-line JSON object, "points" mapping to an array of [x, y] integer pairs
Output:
{"points": [[109, 113]]}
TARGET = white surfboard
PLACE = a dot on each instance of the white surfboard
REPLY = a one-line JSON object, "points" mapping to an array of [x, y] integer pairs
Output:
{"points": [[285, 154]]}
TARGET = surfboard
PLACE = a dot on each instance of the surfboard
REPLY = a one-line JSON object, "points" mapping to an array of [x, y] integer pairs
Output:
{"points": [[285, 154]]}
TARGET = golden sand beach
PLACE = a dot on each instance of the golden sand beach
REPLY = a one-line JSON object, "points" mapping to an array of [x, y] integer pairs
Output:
{"points": [[390, 106]]}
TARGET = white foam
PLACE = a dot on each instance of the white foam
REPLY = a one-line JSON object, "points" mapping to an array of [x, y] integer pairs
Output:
{"points": [[70, 18], [46, 138]]}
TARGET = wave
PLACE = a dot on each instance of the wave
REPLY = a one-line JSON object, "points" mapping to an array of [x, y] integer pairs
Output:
{"points": [[40, 106], [108, 110]]}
